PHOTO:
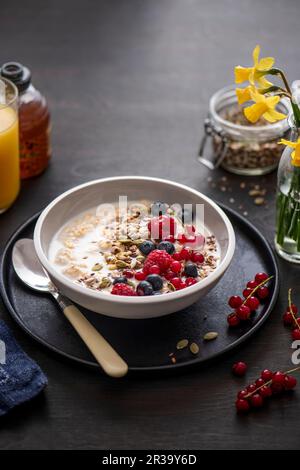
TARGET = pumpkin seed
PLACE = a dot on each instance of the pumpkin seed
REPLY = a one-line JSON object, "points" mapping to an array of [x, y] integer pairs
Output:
{"points": [[140, 258], [112, 267], [105, 282], [182, 344], [194, 348], [121, 264], [211, 335], [126, 241]]}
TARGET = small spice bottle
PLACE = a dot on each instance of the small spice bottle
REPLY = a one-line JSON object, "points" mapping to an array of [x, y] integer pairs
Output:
{"points": [[237, 145], [34, 121]]}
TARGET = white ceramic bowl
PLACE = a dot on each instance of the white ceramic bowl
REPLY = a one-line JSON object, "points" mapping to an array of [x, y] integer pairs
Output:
{"points": [[89, 195]]}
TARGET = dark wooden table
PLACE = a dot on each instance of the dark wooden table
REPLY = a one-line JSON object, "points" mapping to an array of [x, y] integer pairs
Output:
{"points": [[128, 83]]}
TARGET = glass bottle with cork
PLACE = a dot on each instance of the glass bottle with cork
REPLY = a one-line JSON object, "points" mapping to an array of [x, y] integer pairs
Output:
{"points": [[34, 121]]}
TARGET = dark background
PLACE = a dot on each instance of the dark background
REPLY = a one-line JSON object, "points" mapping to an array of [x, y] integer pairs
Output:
{"points": [[128, 83]]}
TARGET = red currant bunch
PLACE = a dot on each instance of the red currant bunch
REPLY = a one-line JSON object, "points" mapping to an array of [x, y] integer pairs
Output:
{"points": [[254, 292], [290, 318], [267, 385]]}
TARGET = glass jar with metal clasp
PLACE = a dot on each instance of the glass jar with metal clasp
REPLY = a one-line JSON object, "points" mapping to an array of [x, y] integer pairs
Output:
{"points": [[236, 145]]}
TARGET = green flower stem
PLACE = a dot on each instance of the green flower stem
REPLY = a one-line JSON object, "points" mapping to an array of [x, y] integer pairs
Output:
{"points": [[288, 210]]}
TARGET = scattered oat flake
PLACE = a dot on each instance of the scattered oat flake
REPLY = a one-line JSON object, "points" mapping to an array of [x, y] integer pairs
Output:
{"points": [[231, 200], [194, 348], [223, 188], [210, 335], [182, 344], [173, 359], [242, 185], [245, 213]]}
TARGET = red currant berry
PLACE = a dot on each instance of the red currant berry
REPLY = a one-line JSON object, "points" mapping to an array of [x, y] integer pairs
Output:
{"points": [[242, 405], [251, 388], [190, 229], [239, 369], [233, 319], [252, 303], [176, 256], [287, 319], [235, 301], [290, 382], [278, 378], [256, 400], [177, 283], [247, 292], [252, 284], [175, 266], [184, 254], [190, 281], [197, 257], [242, 394], [182, 238], [170, 238], [154, 269], [261, 277], [266, 375], [259, 382], [262, 292], [265, 391], [243, 312], [293, 308], [140, 275], [169, 275], [183, 285], [277, 388], [128, 273], [296, 334]]}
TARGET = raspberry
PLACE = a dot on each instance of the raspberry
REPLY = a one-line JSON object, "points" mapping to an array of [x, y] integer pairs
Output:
{"points": [[159, 258], [123, 289]]}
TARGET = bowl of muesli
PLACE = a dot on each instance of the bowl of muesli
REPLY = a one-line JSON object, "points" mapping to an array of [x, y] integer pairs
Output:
{"points": [[134, 247]]}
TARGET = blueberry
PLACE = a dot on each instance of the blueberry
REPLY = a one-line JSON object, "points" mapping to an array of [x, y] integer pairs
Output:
{"points": [[144, 288], [155, 281], [146, 247], [191, 270], [120, 280], [159, 208], [167, 246]]}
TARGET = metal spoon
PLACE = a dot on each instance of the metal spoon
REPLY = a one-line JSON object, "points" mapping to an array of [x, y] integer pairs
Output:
{"points": [[29, 269]]}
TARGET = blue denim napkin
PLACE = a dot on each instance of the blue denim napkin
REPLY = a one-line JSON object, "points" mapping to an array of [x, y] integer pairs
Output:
{"points": [[20, 377]]}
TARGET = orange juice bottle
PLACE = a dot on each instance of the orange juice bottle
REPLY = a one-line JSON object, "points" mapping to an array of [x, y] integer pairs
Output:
{"points": [[9, 144]]}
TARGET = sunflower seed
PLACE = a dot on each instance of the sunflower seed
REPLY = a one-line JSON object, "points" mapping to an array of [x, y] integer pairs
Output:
{"points": [[211, 335], [97, 267], [182, 344]]}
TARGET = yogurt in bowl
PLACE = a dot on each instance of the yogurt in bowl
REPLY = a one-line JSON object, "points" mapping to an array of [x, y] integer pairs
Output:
{"points": [[152, 261], [147, 249]]}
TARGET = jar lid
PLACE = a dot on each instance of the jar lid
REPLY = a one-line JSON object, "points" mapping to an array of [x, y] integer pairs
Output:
{"points": [[18, 74]]}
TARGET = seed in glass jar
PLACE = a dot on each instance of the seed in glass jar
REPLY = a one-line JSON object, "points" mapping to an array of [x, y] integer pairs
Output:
{"points": [[194, 348], [211, 335], [182, 344]]}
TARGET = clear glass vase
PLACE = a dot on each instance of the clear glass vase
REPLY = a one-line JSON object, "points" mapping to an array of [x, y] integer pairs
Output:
{"points": [[287, 237]]}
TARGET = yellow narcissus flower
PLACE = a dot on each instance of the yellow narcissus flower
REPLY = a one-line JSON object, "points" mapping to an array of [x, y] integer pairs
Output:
{"points": [[263, 106], [256, 73], [244, 94], [296, 153]]}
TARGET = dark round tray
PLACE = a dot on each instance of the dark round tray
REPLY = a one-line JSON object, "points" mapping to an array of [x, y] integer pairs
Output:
{"points": [[147, 344]]}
